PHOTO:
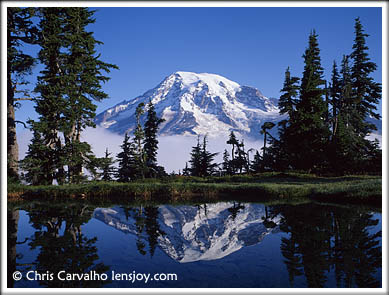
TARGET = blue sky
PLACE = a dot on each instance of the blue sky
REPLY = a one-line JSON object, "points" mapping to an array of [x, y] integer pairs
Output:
{"points": [[252, 46]]}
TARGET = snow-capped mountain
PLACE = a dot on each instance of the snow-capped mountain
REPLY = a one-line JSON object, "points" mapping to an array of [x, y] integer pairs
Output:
{"points": [[194, 104], [193, 233]]}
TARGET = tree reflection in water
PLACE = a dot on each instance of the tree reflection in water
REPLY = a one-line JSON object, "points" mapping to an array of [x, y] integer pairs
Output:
{"points": [[325, 245], [62, 245], [323, 238], [147, 227], [12, 230]]}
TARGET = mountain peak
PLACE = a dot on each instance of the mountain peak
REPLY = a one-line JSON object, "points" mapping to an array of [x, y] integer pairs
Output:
{"points": [[213, 81], [197, 104]]}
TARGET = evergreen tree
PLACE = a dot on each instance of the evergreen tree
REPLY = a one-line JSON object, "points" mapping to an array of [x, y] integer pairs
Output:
{"points": [[151, 143], [51, 88], [264, 130], [94, 166], [327, 116], [195, 159], [206, 160], [330, 133], [308, 131], [106, 166], [234, 142], [201, 161], [287, 102], [240, 162], [70, 80], [335, 94], [83, 71], [366, 94], [279, 152], [226, 165], [125, 170], [186, 170], [20, 31], [257, 163], [344, 145], [37, 162], [139, 152]]}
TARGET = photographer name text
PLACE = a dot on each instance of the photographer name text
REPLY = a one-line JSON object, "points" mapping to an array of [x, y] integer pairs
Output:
{"points": [[95, 276]]}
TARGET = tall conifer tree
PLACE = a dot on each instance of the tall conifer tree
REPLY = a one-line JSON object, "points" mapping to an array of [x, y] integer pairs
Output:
{"points": [[125, 170], [343, 146], [279, 153], [106, 166], [51, 87], [83, 73], [308, 130], [206, 160], [366, 94], [195, 159], [70, 81], [139, 137], [232, 140], [151, 142], [287, 102], [20, 30], [226, 165], [239, 161], [257, 163], [335, 93], [264, 130]]}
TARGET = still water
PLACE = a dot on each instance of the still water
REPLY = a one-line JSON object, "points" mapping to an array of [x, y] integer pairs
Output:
{"points": [[226, 244]]}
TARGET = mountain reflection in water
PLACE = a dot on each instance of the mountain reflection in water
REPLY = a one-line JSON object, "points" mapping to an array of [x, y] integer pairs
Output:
{"points": [[226, 244], [192, 233]]}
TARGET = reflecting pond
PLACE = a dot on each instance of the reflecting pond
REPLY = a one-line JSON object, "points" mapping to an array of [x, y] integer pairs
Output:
{"points": [[225, 244]]}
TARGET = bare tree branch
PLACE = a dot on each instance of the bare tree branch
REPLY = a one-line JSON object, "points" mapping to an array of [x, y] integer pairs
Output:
{"points": [[20, 122], [23, 98]]}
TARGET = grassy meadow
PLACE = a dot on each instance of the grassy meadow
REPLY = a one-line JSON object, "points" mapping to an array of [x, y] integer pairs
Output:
{"points": [[260, 187]]}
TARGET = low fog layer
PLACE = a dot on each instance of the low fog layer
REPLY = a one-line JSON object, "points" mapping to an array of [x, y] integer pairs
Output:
{"points": [[173, 153]]}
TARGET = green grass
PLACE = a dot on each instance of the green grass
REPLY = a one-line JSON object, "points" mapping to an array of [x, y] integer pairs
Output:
{"points": [[261, 187]]}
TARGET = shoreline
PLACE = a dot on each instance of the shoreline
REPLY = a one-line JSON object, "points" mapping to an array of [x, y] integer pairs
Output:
{"points": [[272, 187]]}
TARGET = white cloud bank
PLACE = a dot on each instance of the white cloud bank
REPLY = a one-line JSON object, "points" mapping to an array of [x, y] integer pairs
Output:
{"points": [[173, 152]]}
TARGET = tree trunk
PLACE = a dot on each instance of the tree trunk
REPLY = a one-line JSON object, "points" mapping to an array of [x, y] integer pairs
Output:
{"points": [[78, 170], [334, 117], [264, 150], [74, 171], [264, 145], [248, 162], [61, 171], [12, 144]]}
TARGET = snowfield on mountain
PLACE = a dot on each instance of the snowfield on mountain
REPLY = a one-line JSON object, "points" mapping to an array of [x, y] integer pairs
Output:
{"points": [[198, 104]]}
